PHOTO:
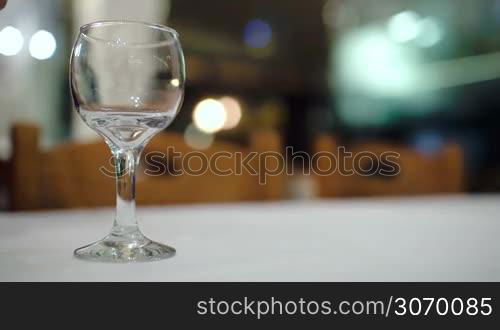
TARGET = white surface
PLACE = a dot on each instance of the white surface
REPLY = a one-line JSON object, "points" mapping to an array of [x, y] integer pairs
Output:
{"points": [[440, 239]]}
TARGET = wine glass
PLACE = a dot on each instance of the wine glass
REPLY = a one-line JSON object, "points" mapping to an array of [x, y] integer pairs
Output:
{"points": [[127, 82]]}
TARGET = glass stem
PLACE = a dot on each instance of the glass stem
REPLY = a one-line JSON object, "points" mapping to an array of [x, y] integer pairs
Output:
{"points": [[126, 161]]}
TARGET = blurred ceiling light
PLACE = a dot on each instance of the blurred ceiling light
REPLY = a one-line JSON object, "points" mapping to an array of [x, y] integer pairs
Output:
{"points": [[175, 82], [233, 112], [404, 26], [370, 63], [209, 116], [42, 45], [197, 139], [257, 33], [430, 32], [11, 41], [461, 71]]}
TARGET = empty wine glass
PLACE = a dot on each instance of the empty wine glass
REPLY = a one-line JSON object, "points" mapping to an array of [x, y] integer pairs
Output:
{"points": [[127, 82]]}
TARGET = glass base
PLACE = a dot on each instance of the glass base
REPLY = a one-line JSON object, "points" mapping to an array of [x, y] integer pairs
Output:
{"points": [[125, 247]]}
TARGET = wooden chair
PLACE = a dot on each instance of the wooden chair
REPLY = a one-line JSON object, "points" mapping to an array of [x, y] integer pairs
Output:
{"points": [[418, 173], [71, 176]]}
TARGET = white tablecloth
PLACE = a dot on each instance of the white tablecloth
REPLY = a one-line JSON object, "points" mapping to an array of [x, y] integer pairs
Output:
{"points": [[424, 239]]}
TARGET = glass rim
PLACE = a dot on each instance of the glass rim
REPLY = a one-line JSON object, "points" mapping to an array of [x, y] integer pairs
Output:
{"points": [[101, 23]]}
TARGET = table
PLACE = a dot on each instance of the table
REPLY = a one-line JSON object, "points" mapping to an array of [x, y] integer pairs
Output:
{"points": [[455, 238]]}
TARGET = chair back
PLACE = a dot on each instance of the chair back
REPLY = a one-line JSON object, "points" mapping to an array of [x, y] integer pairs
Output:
{"points": [[76, 175], [372, 169]]}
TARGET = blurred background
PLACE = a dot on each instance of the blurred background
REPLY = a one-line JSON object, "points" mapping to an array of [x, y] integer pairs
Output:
{"points": [[418, 77]]}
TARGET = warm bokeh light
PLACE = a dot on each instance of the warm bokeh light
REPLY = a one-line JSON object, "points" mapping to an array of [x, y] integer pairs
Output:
{"points": [[175, 82], [197, 139], [42, 45], [233, 112], [209, 116], [11, 41]]}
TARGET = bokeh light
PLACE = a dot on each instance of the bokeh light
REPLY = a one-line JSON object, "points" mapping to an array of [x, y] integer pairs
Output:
{"points": [[257, 33], [428, 142], [42, 45], [209, 116], [233, 112], [371, 63], [11, 41], [430, 32], [175, 82], [197, 139], [404, 26]]}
